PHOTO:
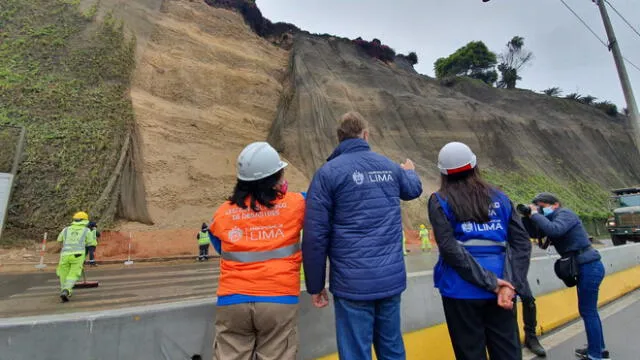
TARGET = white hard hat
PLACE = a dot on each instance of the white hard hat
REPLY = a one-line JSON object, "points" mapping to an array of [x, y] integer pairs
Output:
{"points": [[456, 157], [258, 161]]}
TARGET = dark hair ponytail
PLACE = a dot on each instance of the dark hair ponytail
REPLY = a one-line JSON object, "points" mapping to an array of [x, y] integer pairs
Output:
{"points": [[468, 195], [259, 192]]}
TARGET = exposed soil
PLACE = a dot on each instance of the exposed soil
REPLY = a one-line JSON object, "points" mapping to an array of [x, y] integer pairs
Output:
{"points": [[205, 86]]}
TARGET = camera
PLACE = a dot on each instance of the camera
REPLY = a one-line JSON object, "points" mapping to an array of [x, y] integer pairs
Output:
{"points": [[523, 209], [532, 229]]}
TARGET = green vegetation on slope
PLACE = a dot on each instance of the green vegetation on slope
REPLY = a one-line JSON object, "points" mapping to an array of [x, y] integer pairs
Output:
{"points": [[65, 77], [587, 199]]}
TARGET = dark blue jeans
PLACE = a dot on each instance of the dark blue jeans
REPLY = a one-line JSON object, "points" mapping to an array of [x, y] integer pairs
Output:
{"points": [[589, 280], [91, 251], [360, 324]]}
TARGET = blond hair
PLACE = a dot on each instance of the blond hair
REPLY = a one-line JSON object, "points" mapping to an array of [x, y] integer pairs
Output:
{"points": [[352, 125]]}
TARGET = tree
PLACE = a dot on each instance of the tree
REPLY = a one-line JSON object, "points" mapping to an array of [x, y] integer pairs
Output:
{"points": [[511, 61], [473, 60], [553, 91]]}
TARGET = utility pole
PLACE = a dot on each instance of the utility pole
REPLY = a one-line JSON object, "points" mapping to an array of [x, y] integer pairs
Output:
{"points": [[634, 117]]}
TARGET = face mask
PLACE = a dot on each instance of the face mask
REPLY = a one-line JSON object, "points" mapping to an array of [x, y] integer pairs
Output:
{"points": [[284, 186], [547, 211]]}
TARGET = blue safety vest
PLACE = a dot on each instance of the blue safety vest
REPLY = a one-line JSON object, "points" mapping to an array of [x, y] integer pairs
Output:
{"points": [[485, 242]]}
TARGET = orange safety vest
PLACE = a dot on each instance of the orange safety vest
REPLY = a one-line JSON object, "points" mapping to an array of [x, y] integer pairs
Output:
{"points": [[260, 250]]}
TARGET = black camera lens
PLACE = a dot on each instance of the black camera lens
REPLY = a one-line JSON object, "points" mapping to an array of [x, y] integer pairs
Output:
{"points": [[523, 209]]}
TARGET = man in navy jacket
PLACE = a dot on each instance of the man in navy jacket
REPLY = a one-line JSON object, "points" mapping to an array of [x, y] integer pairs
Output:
{"points": [[353, 217]]}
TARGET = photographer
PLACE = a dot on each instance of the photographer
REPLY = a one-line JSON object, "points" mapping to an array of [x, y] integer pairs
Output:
{"points": [[567, 234]]}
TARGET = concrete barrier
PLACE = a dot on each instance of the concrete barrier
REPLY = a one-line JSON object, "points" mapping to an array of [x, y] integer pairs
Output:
{"points": [[181, 330]]}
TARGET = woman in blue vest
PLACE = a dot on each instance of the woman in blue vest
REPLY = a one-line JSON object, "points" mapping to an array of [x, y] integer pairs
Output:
{"points": [[474, 225]]}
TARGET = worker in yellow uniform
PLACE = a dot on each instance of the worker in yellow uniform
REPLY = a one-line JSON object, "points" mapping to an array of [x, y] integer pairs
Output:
{"points": [[404, 244], [424, 238], [203, 242], [74, 239], [92, 244]]}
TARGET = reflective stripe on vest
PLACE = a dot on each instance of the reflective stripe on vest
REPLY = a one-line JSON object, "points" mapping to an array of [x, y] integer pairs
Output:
{"points": [[74, 247], [258, 256], [482, 242]]}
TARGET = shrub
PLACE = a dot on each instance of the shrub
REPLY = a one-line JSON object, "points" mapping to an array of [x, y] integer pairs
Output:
{"points": [[608, 107], [376, 49], [252, 15], [573, 96], [553, 91], [413, 58]]}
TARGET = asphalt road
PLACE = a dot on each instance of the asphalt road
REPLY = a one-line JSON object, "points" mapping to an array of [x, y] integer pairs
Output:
{"points": [[621, 323], [37, 293]]}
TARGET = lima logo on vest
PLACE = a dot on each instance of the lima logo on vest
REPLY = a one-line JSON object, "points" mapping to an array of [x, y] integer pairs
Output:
{"points": [[235, 234], [358, 177], [493, 225]]}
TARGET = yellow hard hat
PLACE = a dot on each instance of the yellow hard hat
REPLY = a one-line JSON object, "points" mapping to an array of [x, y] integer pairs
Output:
{"points": [[422, 226], [81, 215]]}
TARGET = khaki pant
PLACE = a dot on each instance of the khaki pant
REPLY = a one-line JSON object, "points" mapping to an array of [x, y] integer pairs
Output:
{"points": [[260, 331]]}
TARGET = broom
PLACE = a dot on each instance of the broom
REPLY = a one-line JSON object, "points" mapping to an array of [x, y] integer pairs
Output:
{"points": [[85, 284]]}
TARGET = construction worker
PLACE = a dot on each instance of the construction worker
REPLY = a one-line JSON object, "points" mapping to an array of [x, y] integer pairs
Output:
{"points": [[92, 243], [74, 239], [257, 234], [424, 238], [404, 243], [203, 242]]}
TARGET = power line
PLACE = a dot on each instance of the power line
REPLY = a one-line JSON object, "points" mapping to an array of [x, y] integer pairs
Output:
{"points": [[632, 64], [623, 18], [585, 23], [595, 34]]}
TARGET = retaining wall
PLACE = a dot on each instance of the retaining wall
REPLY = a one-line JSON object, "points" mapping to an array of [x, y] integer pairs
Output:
{"points": [[180, 330]]}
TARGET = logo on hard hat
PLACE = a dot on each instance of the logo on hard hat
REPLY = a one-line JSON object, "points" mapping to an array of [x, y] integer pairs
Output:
{"points": [[467, 227], [235, 235], [358, 177]]}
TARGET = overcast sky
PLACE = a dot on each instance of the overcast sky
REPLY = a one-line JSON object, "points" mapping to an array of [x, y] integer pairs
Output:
{"points": [[566, 54]]}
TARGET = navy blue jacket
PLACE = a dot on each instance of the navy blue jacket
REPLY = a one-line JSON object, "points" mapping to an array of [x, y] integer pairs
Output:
{"points": [[353, 218], [566, 232]]}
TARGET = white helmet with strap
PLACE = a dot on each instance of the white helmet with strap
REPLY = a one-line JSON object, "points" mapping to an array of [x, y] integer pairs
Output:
{"points": [[456, 157], [257, 161]]}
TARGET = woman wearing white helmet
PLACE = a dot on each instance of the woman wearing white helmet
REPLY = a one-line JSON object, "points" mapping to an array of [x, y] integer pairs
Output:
{"points": [[257, 234], [474, 223]]}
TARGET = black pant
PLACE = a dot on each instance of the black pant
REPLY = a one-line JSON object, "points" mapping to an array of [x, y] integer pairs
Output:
{"points": [[478, 326], [204, 252], [91, 251], [529, 315]]}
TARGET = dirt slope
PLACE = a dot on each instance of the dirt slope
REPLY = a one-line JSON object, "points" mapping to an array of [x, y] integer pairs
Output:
{"points": [[205, 86], [413, 116]]}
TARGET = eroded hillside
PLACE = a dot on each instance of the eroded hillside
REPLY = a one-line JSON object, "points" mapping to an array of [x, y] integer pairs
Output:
{"points": [[578, 150], [204, 87]]}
